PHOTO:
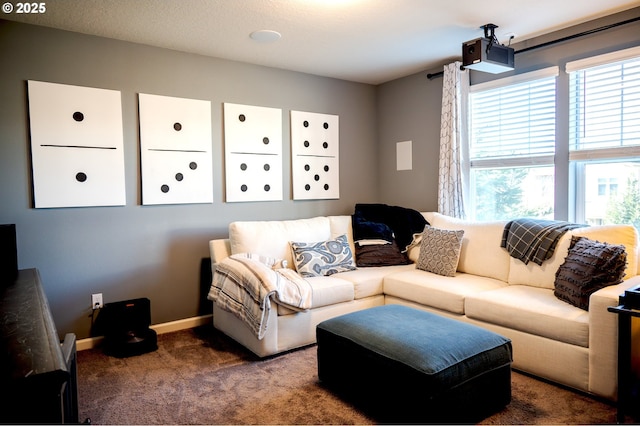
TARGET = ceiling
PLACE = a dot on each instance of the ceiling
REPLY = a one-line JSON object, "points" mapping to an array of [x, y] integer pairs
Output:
{"points": [[368, 41]]}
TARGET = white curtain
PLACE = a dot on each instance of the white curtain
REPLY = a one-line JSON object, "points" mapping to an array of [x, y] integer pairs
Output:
{"points": [[451, 177]]}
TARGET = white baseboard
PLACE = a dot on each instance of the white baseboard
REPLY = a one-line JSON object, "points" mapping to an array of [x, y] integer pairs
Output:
{"points": [[166, 327]]}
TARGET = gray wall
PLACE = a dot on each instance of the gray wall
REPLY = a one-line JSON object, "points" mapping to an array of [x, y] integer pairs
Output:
{"points": [[155, 251], [409, 109]]}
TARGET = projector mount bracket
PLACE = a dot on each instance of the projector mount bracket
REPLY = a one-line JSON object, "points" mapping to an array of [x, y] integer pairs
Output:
{"points": [[489, 33]]}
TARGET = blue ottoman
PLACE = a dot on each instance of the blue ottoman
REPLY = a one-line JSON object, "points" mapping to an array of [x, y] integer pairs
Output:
{"points": [[406, 365]]}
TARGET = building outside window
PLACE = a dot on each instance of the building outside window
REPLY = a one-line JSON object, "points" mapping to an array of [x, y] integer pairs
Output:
{"points": [[606, 184]]}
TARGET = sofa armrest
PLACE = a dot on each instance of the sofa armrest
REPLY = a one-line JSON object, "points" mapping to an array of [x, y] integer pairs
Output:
{"points": [[219, 250], [603, 338]]}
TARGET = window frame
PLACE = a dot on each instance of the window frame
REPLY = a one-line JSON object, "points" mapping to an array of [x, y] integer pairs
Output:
{"points": [[579, 158], [507, 162]]}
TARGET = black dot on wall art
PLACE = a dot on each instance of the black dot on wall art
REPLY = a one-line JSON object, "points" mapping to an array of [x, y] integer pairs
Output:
{"points": [[325, 145], [326, 168], [179, 177], [266, 167], [164, 188], [267, 188], [305, 123], [242, 118], [177, 127], [78, 116], [244, 188], [326, 187], [307, 167], [306, 144], [265, 140], [307, 187], [193, 165], [316, 178], [325, 125], [81, 177], [243, 166]]}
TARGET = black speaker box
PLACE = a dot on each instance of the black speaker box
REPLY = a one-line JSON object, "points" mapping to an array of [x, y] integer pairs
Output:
{"points": [[125, 326], [8, 254]]}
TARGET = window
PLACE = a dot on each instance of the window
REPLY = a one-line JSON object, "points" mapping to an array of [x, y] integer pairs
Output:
{"points": [[604, 137], [602, 186], [607, 186], [512, 146]]}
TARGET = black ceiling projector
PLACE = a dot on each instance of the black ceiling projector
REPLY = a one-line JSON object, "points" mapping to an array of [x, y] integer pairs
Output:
{"points": [[486, 54]]}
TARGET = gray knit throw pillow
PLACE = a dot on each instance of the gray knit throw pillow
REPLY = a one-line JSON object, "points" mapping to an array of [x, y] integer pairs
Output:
{"points": [[440, 251]]}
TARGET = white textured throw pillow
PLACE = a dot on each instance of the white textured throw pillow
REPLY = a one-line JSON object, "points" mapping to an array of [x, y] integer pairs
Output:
{"points": [[440, 251]]}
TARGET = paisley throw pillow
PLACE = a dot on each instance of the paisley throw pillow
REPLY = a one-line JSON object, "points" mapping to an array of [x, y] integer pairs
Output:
{"points": [[323, 258]]}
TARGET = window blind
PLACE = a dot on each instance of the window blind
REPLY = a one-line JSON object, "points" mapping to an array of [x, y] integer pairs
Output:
{"points": [[513, 121], [605, 109]]}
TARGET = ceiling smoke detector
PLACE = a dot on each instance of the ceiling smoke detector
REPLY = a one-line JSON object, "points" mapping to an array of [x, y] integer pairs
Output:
{"points": [[265, 36]]}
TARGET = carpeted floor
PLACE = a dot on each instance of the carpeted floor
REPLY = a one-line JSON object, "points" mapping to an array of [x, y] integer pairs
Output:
{"points": [[200, 376]]}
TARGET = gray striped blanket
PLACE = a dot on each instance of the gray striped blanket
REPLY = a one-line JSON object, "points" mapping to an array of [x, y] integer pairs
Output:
{"points": [[244, 285], [534, 239]]}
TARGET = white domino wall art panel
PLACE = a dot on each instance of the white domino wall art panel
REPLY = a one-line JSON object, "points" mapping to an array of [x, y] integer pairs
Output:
{"points": [[253, 153], [315, 156], [175, 150], [76, 146]]}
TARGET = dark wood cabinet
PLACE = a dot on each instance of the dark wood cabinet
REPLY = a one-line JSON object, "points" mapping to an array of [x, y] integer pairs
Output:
{"points": [[627, 386], [38, 372]]}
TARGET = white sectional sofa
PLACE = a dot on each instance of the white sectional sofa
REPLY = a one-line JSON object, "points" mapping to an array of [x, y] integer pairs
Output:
{"points": [[551, 339]]}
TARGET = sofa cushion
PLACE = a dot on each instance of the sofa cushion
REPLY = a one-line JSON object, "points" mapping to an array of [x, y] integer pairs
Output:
{"points": [[341, 225], [437, 291], [323, 258], [531, 310], [330, 290], [545, 275], [368, 281], [481, 253], [271, 238], [326, 290], [440, 251], [589, 266]]}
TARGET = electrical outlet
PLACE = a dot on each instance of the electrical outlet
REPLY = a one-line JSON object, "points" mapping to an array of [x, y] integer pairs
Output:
{"points": [[96, 301]]}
